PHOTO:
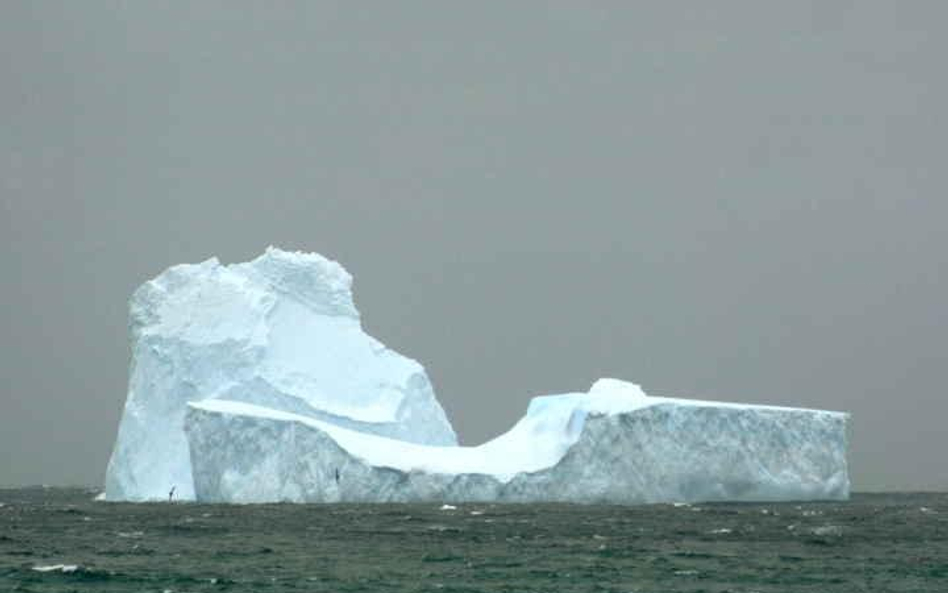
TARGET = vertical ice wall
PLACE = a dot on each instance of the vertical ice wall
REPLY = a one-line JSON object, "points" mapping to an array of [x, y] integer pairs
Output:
{"points": [[281, 331]]}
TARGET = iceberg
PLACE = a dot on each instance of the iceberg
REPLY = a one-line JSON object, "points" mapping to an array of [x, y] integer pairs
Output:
{"points": [[255, 382]]}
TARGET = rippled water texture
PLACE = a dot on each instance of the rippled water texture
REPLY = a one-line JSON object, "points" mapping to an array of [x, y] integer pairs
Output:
{"points": [[59, 540]]}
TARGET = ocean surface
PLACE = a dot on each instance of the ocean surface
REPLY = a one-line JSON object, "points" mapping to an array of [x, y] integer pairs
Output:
{"points": [[56, 539]]}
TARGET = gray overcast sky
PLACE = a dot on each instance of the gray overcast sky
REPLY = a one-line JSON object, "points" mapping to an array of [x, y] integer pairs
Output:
{"points": [[733, 200]]}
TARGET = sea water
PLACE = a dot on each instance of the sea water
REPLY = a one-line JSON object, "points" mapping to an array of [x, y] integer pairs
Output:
{"points": [[54, 539]]}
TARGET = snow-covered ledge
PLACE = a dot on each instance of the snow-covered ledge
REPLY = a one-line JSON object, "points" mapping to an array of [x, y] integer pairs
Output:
{"points": [[612, 445]]}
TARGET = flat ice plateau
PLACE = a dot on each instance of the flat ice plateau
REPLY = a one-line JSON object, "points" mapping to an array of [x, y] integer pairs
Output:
{"points": [[254, 382]]}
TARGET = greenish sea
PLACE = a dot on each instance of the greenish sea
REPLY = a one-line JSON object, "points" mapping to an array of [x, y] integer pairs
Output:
{"points": [[55, 539]]}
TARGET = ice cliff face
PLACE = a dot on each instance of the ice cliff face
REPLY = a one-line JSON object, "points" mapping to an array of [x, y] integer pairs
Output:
{"points": [[612, 445], [280, 331], [254, 382]]}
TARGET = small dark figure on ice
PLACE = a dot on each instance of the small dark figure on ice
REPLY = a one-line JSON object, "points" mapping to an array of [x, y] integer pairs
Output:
{"points": [[171, 493]]}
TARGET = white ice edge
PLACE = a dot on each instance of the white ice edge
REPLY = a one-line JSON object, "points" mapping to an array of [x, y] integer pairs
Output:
{"points": [[66, 568]]}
